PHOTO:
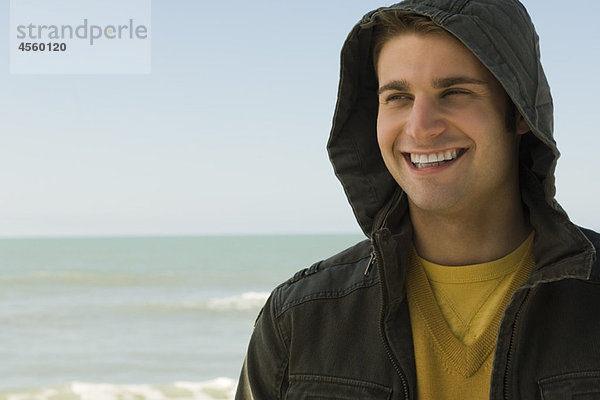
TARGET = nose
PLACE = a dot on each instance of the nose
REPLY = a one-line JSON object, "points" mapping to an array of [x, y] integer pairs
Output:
{"points": [[425, 121]]}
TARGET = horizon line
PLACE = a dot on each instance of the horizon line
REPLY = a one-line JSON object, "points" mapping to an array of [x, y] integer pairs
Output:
{"points": [[175, 235]]}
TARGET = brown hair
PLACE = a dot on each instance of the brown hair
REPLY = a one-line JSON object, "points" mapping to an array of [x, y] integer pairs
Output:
{"points": [[391, 23]]}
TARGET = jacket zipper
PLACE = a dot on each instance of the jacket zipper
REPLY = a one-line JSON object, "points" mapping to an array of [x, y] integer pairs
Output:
{"points": [[370, 264], [374, 260], [511, 343]]}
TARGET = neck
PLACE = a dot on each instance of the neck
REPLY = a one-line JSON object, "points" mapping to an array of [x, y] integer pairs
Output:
{"points": [[479, 236]]}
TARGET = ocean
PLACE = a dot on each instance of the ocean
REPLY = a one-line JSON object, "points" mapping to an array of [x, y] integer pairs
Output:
{"points": [[150, 318]]}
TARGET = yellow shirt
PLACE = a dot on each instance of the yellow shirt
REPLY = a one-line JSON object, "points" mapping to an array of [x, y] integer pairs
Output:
{"points": [[455, 314]]}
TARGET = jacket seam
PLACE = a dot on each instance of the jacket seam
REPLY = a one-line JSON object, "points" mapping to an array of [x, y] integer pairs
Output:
{"points": [[456, 8], [579, 374], [282, 338], [320, 266], [350, 262], [353, 262], [338, 380], [327, 294]]}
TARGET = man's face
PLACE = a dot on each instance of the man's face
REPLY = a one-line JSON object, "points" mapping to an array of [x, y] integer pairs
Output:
{"points": [[441, 125]]}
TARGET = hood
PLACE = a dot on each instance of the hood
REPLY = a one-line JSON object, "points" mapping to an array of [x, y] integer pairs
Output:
{"points": [[501, 35]]}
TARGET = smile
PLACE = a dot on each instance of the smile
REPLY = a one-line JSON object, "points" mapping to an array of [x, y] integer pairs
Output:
{"points": [[435, 159]]}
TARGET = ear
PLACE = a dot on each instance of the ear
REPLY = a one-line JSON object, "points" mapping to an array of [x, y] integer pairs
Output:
{"points": [[522, 126]]}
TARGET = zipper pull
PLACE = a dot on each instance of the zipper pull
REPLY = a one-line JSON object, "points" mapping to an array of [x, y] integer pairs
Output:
{"points": [[370, 264]]}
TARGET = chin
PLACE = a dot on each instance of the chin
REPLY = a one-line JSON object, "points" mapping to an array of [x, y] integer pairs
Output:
{"points": [[432, 202]]}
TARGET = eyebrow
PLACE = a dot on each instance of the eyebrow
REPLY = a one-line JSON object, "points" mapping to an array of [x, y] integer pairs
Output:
{"points": [[400, 86], [442, 83], [438, 83]]}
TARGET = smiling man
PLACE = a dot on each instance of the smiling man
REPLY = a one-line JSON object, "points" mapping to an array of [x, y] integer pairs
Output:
{"points": [[473, 284], [443, 133]]}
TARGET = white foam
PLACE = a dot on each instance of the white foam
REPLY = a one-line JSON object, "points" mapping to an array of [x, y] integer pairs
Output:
{"points": [[219, 388], [101, 391], [42, 394], [216, 389], [245, 301], [249, 301]]}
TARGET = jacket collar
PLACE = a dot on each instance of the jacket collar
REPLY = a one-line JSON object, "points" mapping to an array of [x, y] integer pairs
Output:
{"points": [[560, 250]]}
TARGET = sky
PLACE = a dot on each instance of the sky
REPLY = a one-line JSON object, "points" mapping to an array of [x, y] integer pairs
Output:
{"points": [[227, 133]]}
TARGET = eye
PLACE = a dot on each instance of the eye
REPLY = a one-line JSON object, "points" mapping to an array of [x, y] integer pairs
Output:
{"points": [[455, 92], [396, 97]]}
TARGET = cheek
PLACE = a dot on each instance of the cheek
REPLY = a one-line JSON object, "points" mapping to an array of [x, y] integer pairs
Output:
{"points": [[485, 118], [386, 132]]}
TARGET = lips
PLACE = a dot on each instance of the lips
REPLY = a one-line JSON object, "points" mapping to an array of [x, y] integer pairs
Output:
{"points": [[426, 160]]}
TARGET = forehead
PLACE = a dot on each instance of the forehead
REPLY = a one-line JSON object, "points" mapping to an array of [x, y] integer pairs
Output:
{"points": [[435, 55]]}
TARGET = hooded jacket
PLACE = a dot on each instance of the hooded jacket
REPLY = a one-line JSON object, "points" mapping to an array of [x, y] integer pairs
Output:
{"points": [[341, 329]]}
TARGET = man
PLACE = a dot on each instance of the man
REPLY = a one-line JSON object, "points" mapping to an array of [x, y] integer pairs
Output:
{"points": [[474, 283]]}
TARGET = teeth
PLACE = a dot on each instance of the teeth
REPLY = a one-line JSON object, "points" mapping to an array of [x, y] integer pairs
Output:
{"points": [[433, 159]]}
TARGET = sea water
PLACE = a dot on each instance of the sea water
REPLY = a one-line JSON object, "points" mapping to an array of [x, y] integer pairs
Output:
{"points": [[138, 318]]}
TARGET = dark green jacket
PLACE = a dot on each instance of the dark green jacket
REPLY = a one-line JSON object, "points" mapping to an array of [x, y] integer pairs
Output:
{"points": [[341, 330]]}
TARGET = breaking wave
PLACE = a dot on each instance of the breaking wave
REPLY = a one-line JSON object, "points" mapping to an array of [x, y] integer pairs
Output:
{"points": [[244, 302], [216, 389], [249, 301]]}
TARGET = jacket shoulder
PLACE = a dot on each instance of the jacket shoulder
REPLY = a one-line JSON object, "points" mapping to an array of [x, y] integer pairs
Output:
{"points": [[333, 277], [594, 238]]}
